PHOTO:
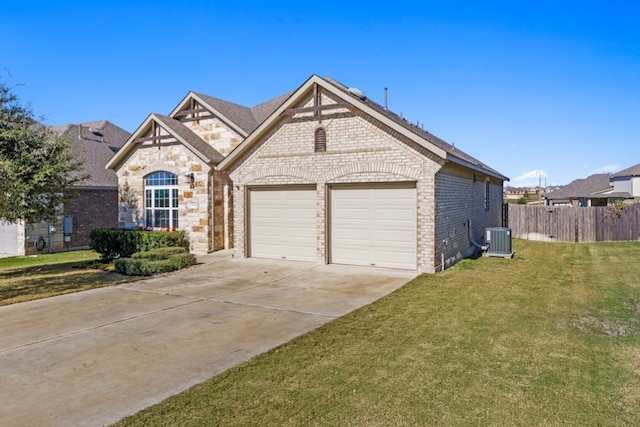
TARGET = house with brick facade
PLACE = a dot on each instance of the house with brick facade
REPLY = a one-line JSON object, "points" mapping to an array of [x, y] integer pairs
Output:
{"points": [[321, 174], [95, 201]]}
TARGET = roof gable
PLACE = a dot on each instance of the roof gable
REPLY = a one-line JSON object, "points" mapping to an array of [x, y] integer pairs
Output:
{"points": [[241, 119], [356, 100], [149, 132]]}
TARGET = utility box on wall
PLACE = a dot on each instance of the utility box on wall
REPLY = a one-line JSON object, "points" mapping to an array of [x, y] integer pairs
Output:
{"points": [[499, 241], [67, 228]]}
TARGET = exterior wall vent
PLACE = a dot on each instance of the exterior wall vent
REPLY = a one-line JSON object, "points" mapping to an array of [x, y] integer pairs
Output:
{"points": [[499, 241]]}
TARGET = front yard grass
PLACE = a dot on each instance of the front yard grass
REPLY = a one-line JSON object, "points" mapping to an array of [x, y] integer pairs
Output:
{"points": [[551, 337], [33, 277]]}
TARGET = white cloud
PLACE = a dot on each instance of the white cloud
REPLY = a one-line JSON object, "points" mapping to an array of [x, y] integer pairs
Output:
{"points": [[606, 169], [529, 179]]}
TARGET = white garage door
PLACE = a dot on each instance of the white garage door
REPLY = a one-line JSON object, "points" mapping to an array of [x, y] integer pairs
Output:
{"points": [[283, 224], [374, 226], [9, 239]]}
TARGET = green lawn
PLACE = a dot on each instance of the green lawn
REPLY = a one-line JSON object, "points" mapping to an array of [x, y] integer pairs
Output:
{"points": [[33, 277], [551, 337]]}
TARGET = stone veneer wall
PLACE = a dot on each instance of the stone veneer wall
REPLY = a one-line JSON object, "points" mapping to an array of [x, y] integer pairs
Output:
{"points": [[359, 149], [194, 203], [216, 133]]}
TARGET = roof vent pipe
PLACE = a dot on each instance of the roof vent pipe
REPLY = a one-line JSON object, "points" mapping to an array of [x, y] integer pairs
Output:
{"points": [[386, 90]]}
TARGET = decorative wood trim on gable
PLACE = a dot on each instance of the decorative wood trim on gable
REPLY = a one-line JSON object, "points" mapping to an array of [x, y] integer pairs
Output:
{"points": [[317, 105], [191, 111], [318, 108], [154, 138], [153, 135], [194, 113]]}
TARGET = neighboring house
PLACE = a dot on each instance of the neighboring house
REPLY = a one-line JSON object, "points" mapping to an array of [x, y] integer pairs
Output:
{"points": [[322, 174], [599, 189], [627, 182], [581, 192], [95, 204]]}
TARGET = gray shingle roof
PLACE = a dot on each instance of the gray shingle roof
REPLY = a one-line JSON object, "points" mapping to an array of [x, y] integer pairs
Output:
{"points": [[264, 110], [584, 187], [248, 119], [187, 135], [96, 150], [632, 171]]}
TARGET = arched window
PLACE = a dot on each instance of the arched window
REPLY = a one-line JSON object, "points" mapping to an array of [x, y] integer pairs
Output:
{"points": [[161, 200], [320, 140]]}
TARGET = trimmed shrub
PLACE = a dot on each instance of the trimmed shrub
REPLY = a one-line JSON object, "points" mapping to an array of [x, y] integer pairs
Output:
{"points": [[112, 243], [159, 253], [155, 261]]}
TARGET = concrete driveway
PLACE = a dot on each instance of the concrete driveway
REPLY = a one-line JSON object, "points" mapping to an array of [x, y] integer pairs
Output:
{"points": [[93, 357]]}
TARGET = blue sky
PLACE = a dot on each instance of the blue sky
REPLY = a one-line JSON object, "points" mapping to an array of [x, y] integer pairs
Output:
{"points": [[539, 90]]}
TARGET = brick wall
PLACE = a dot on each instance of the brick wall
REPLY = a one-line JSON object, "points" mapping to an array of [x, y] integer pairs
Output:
{"points": [[460, 212], [359, 149], [91, 209]]}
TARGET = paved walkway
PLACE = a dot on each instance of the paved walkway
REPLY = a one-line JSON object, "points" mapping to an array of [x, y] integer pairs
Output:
{"points": [[91, 358]]}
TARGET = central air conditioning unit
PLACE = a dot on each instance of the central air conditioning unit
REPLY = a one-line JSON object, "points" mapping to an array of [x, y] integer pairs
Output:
{"points": [[498, 239]]}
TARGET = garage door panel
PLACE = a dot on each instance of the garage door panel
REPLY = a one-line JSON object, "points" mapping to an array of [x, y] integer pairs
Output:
{"points": [[395, 215], [283, 224], [9, 244], [393, 237], [374, 226]]}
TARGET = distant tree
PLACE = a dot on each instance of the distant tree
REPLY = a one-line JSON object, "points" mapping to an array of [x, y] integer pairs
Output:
{"points": [[36, 164], [522, 201]]}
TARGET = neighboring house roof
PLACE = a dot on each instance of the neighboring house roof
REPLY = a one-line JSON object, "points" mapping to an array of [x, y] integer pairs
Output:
{"points": [[629, 172], [418, 135], [583, 188], [176, 129], [95, 142]]}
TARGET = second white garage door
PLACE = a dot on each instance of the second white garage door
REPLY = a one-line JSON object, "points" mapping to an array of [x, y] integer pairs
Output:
{"points": [[283, 223], [374, 226]]}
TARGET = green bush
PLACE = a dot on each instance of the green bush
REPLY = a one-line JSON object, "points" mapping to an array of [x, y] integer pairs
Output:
{"points": [[159, 253], [155, 261], [112, 243]]}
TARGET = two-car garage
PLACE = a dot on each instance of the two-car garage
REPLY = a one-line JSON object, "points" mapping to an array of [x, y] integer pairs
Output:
{"points": [[366, 224]]}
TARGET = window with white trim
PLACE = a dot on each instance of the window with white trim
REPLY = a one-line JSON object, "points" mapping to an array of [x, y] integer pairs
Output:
{"points": [[161, 200]]}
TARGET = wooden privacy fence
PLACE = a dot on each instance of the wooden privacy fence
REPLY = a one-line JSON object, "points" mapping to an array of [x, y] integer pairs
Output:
{"points": [[573, 224]]}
